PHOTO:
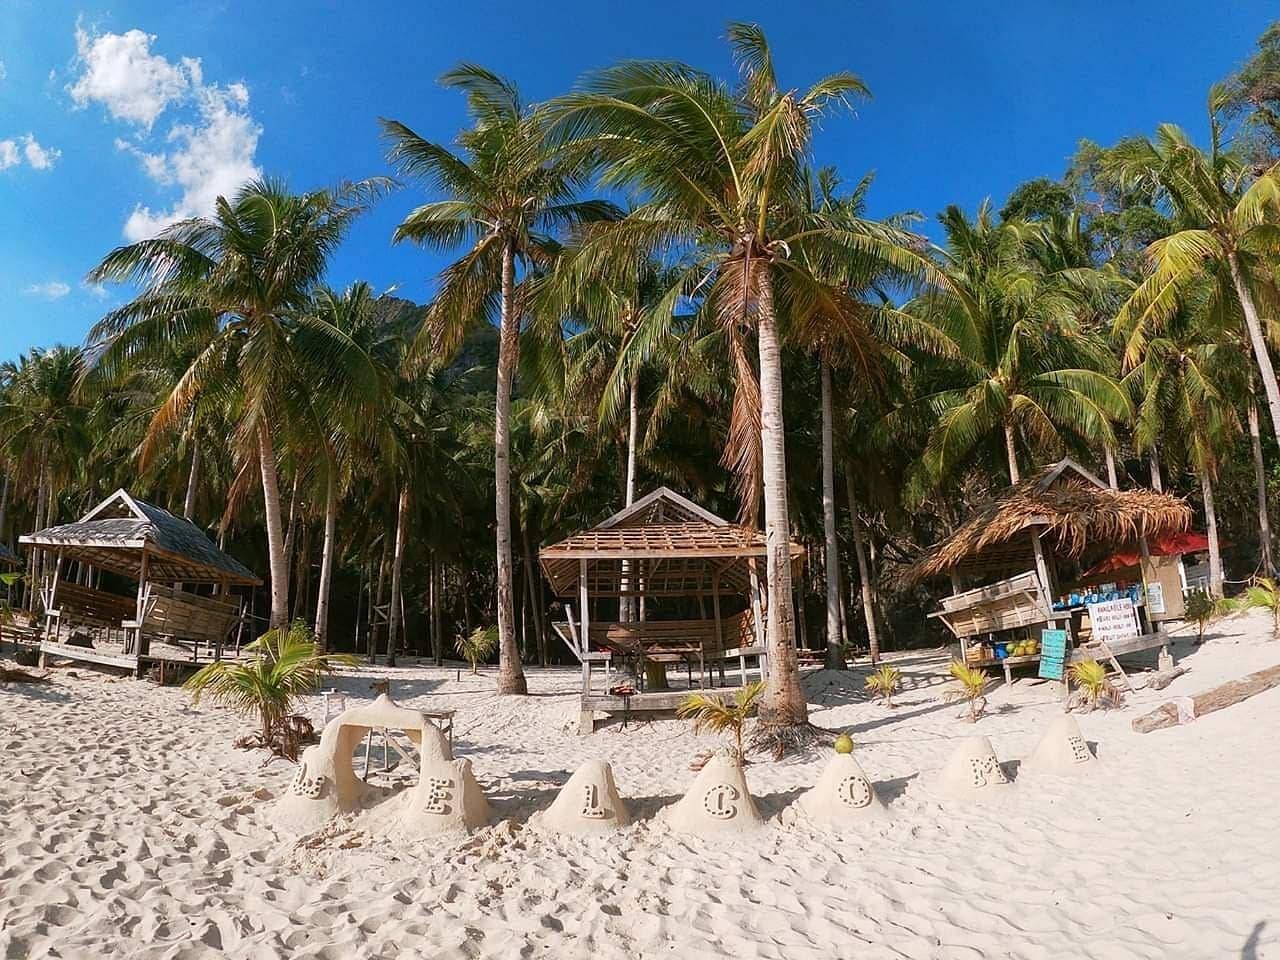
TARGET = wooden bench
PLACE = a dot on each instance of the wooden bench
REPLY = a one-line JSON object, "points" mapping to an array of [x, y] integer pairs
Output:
{"points": [[85, 605], [175, 615]]}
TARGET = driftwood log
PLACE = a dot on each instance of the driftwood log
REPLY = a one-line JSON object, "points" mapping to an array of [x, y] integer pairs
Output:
{"points": [[1166, 715]]}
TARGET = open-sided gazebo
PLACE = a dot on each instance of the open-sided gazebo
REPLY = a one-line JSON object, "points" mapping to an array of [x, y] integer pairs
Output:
{"points": [[661, 582], [168, 558], [1011, 563]]}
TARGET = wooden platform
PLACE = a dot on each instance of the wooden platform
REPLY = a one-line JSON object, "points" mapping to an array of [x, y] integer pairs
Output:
{"points": [[651, 704], [69, 651]]}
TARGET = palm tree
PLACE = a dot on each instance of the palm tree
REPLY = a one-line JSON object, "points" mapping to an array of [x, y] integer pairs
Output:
{"points": [[44, 434], [721, 169], [340, 410], [504, 196], [283, 665], [1025, 364], [1185, 381], [1228, 235], [244, 272]]}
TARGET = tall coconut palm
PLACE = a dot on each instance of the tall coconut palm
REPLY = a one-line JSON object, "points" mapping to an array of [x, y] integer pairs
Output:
{"points": [[339, 411], [838, 312], [721, 169], [1186, 380], [1025, 365], [243, 271], [1229, 230], [503, 196]]}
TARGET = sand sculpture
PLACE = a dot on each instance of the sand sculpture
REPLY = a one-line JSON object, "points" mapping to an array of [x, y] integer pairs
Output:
{"points": [[718, 801], [843, 795], [325, 785], [972, 773], [1062, 751], [588, 803]]}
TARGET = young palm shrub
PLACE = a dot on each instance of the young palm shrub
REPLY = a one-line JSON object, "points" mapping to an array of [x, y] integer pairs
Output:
{"points": [[884, 683], [711, 713], [1095, 687], [476, 646], [971, 687], [1262, 594], [1202, 609], [284, 664]]}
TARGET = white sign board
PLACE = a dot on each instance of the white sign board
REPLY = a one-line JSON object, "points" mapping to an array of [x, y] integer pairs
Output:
{"points": [[1155, 597], [1113, 620]]}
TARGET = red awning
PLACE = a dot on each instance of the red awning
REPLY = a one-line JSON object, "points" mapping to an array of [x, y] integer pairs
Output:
{"points": [[1171, 545]]}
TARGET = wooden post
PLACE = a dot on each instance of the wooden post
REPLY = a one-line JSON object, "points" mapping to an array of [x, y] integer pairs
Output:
{"points": [[144, 573], [715, 611], [757, 612], [51, 602]]}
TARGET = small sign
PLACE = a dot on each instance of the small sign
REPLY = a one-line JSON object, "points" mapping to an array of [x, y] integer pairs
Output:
{"points": [[1113, 620], [1053, 653], [1155, 597]]}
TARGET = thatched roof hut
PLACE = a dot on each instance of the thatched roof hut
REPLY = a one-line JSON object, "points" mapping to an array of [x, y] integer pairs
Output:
{"points": [[117, 534], [1072, 511]]}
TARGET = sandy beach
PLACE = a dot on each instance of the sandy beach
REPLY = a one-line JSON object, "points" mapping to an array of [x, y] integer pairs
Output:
{"points": [[131, 827]]}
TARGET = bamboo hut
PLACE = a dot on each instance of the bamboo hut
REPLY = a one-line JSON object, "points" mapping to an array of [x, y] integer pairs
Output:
{"points": [[1013, 564], [182, 596], [661, 583]]}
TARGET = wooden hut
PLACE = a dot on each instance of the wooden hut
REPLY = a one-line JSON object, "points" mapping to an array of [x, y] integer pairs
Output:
{"points": [[663, 554], [183, 583], [1013, 563]]}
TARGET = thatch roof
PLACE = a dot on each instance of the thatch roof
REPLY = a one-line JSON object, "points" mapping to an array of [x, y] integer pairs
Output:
{"points": [[676, 547], [1071, 509], [8, 557], [114, 534]]}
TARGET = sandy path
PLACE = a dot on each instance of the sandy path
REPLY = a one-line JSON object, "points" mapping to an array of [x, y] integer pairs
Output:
{"points": [[119, 838]]}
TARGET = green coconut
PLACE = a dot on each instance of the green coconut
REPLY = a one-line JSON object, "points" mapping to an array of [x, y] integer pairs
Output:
{"points": [[844, 743]]}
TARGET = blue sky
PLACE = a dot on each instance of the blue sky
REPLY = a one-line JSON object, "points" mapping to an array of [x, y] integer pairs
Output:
{"points": [[116, 117]]}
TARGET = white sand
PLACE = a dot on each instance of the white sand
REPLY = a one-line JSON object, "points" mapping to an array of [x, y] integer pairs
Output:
{"points": [[118, 839]]}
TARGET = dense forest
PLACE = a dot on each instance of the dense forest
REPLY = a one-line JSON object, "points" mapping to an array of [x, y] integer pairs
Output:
{"points": [[651, 282]]}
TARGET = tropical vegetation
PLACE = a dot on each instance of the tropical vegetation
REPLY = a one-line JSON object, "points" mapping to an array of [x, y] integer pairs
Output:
{"points": [[652, 279]]}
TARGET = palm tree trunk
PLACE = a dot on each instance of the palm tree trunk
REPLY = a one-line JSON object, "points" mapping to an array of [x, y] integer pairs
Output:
{"points": [[510, 672], [1011, 449], [835, 658], [397, 569], [193, 481], [1111, 468], [783, 703], [4, 508], [1258, 341], [326, 564], [1260, 478], [1157, 481], [864, 573], [279, 561], [626, 603], [1211, 526], [376, 605]]}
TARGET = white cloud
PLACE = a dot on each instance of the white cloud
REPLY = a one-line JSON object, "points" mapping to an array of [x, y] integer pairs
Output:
{"points": [[4, 74], [38, 157], [209, 159], [208, 154], [122, 74], [52, 290], [94, 289]]}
